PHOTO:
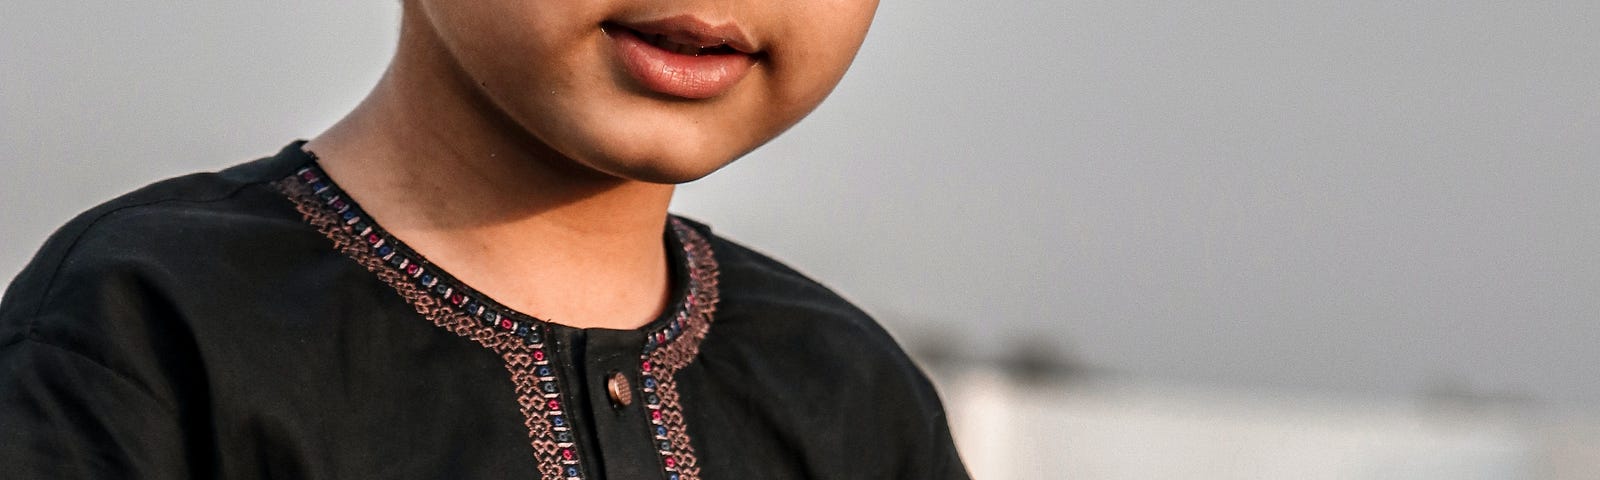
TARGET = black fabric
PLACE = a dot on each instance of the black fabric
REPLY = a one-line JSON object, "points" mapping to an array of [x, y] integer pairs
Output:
{"points": [[200, 328]]}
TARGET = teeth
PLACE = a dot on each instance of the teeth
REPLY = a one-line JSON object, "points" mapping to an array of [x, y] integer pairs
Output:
{"points": [[663, 43]]}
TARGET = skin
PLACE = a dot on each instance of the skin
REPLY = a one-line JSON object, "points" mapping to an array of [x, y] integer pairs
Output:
{"points": [[507, 143]]}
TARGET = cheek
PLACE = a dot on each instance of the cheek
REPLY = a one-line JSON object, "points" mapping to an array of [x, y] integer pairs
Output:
{"points": [[815, 53], [519, 48]]}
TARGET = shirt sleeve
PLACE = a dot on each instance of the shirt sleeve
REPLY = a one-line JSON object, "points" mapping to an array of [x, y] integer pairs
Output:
{"points": [[930, 449], [65, 416], [946, 462]]}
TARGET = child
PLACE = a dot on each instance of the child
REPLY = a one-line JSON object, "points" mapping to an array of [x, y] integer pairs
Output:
{"points": [[474, 275]]}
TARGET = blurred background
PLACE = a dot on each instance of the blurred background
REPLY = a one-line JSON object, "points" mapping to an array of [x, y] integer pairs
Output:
{"points": [[1129, 239]]}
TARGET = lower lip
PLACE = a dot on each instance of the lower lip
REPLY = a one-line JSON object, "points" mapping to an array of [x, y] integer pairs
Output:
{"points": [[676, 74]]}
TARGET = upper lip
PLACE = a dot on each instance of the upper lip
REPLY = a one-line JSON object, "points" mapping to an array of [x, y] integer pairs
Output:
{"points": [[691, 30]]}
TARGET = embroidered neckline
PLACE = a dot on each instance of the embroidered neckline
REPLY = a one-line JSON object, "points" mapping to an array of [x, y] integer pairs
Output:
{"points": [[446, 288], [670, 343]]}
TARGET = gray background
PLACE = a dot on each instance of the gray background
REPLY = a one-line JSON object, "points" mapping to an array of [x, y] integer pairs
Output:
{"points": [[1390, 198]]}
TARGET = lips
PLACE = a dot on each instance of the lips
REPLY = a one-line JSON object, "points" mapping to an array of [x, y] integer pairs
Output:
{"points": [[683, 56]]}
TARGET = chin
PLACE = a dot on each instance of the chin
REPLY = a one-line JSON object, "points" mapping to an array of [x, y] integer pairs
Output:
{"points": [[662, 172], [652, 151], [659, 164]]}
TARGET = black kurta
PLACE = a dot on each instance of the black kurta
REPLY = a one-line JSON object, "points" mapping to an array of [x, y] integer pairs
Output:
{"points": [[254, 323]]}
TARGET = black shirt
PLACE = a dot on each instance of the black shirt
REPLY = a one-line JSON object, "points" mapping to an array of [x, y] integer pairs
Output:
{"points": [[254, 323]]}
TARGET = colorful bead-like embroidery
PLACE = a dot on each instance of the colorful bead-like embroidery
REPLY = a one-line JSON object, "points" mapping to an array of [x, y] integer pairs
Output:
{"points": [[663, 357], [518, 338], [453, 306]]}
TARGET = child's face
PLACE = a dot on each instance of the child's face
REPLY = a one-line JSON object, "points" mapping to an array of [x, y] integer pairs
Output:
{"points": [[591, 79]]}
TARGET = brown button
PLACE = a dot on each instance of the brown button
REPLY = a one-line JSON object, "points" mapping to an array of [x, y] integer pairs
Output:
{"points": [[621, 392]]}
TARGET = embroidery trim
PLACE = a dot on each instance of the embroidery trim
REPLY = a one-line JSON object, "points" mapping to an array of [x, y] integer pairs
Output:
{"points": [[519, 338], [659, 366]]}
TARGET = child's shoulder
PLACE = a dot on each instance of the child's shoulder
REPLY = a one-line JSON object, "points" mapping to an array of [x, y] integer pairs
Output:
{"points": [[790, 344], [768, 304], [159, 235], [752, 283]]}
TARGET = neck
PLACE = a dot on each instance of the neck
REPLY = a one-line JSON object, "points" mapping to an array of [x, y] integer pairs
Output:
{"points": [[441, 168]]}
